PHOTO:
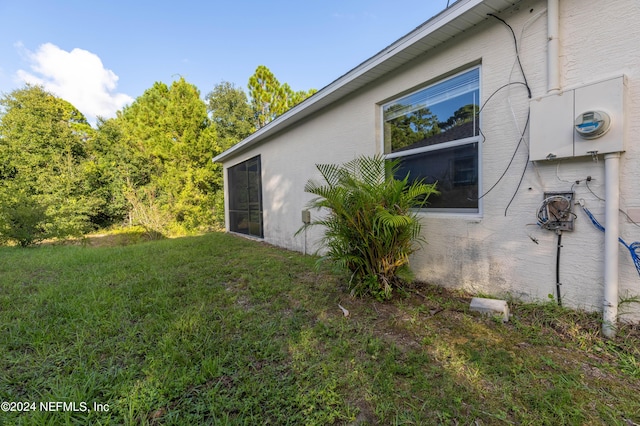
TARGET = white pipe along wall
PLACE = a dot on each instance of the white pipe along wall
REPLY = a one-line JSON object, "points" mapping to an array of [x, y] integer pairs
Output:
{"points": [[553, 46], [611, 261], [612, 181]]}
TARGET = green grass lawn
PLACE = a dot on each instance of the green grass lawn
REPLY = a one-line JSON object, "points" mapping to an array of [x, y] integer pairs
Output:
{"points": [[217, 329]]}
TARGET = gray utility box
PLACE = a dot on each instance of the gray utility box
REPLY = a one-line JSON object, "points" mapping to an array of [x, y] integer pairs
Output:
{"points": [[554, 131]]}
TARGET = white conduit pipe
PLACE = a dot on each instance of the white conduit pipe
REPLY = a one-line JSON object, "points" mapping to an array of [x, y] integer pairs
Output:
{"points": [[553, 46], [612, 204], [612, 181]]}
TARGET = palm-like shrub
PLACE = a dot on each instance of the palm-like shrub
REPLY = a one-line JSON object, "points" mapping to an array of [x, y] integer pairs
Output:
{"points": [[370, 227]]}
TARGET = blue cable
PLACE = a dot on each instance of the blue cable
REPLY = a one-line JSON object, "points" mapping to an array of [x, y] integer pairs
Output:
{"points": [[633, 248]]}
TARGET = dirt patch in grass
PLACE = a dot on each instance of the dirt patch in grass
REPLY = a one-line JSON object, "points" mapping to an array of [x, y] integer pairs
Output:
{"points": [[115, 238], [547, 361]]}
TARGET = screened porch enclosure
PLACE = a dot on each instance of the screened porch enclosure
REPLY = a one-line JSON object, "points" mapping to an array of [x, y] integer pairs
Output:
{"points": [[245, 198]]}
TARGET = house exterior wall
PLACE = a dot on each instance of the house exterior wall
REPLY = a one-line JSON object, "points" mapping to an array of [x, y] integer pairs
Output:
{"points": [[289, 162], [500, 250]]}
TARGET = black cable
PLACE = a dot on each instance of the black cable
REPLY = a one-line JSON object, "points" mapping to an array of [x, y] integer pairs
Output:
{"points": [[499, 89], [558, 284], [602, 199], [491, 96], [508, 165], [526, 163], [526, 85], [515, 41], [594, 194], [629, 218]]}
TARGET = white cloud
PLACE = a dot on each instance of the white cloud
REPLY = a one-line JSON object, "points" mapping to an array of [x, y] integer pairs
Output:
{"points": [[78, 77]]}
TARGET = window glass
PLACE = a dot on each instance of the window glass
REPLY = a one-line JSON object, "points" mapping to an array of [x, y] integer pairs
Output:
{"points": [[435, 132]]}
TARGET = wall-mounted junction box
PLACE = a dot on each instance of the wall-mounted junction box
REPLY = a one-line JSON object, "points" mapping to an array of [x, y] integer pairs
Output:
{"points": [[556, 212], [306, 217], [553, 133]]}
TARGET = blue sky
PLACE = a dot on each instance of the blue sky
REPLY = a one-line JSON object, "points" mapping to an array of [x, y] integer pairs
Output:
{"points": [[100, 55]]}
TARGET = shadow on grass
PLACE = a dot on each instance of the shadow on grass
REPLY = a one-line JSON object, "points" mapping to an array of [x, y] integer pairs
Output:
{"points": [[117, 238]]}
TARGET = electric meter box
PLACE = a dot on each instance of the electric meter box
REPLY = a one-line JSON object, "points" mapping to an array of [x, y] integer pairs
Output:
{"points": [[584, 121], [593, 124]]}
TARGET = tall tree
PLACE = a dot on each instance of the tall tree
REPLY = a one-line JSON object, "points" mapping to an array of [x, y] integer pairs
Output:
{"points": [[230, 113], [170, 127], [269, 98], [43, 150], [113, 165]]}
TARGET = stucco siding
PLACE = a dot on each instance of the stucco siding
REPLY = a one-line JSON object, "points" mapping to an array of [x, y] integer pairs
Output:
{"points": [[333, 136]]}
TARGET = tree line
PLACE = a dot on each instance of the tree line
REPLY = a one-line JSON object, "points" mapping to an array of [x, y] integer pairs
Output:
{"points": [[150, 166]]}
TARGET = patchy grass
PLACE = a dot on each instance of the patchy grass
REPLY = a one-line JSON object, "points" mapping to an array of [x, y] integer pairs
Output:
{"points": [[221, 330], [115, 237]]}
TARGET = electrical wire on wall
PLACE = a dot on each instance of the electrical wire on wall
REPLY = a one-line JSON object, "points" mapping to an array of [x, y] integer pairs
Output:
{"points": [[553, 215], [589, 179], [510, 161], [520, 141], [554, 212], [515, 42], [523, 131], [634, 248], [558, 283], [526, 84]]}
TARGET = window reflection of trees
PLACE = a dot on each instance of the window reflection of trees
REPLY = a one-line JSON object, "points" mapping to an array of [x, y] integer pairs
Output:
{"points": [[421, 127]]}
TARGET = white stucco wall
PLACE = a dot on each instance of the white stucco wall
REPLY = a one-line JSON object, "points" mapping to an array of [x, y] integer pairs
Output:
{"points": [[489, 252]]}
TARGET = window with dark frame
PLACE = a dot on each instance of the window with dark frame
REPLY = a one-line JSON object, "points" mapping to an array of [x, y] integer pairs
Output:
{"points": [[435, 131], [245, 198]]}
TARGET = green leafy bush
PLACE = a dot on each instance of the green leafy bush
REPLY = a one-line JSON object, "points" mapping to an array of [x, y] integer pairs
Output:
{"points": [[23, 220], [27, 219], [371, 227]]}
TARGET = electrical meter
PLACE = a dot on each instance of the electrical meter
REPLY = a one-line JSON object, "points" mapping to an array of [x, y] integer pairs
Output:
{"points": [[592, 124]]}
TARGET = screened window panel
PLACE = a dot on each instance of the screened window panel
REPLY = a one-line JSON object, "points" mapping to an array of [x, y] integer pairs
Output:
{"points": [[245, 198], [455, 172]]}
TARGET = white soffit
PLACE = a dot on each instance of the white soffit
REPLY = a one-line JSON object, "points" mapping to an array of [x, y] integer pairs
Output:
{"points": [[458, 18]]}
